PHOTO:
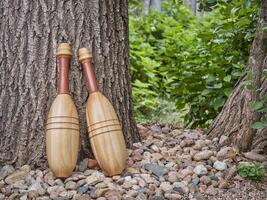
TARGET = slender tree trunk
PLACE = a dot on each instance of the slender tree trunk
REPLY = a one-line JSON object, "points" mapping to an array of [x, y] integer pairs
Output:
{"points": [[237, 116], [30, 32]]}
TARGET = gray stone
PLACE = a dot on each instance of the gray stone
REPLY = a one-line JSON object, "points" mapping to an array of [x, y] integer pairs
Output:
{"points": [[141, 196], [70, 185], [6, 170], [156, 169], [83, 189], [181, 188], [156, 129], [157, 197], [37, 187], [83, 165], [166, 129], [220, 165], [200, 170], [195, 180]]}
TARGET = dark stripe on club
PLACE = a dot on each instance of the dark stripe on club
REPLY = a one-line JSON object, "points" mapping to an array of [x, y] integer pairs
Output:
{"points": [[103, 127], [74, 129], [90, 137], [63, 123]]}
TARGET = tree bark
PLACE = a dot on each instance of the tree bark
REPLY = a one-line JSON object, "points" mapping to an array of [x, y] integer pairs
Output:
{"points": [[30, 32], [237, 116]]}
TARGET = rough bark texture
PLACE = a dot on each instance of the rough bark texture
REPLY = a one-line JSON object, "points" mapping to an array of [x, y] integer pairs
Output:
{"points": [[237, 116], [30, 32]]}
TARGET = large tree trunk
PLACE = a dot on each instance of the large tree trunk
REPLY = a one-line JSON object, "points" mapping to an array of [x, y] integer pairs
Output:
{"points": [[30, 32], [237, 116]]}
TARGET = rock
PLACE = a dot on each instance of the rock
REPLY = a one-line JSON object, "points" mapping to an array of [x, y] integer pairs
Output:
{"points": [[205, 180], [127, 185], [49, 178], [156, 129], [223, 184], [92, 164], [92, 180], [81, 182], [211, 191], [132, 170], [157, 156], [84, 197], [166, 129], [71, 185], [36, 187], [157, 197], [251, 155], [141, 196], [83, 189], [223, 140], [176, 132], [59, 182], [147, 178], [101, 192], [199, 144], [195, 180], [131, 193], [18, 175], [154, 148], [203, 155], [173, 196], [231, 172], [101, 198], [220, 165], [226, 153], [156, 169], [143, 131], [101, 185], [54, 191], [2, 196], [181, 188], [83, 165], [67, 194], [200, 170], [113, 195], [185, 172], [6, 170], [172, 177], [2, 184], [166, 186]]}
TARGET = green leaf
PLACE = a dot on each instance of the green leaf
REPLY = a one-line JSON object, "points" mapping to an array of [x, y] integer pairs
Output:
{"points": [[257, 105], [218, 103], [257, 125], [227, 78]]}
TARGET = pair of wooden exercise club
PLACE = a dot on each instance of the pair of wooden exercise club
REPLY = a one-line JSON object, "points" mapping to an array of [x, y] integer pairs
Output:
{"points": [[62, 129]]}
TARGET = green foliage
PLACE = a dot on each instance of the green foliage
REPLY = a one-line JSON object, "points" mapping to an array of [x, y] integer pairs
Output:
{"points": [[192, 61], [253, 171], [260, 106]]}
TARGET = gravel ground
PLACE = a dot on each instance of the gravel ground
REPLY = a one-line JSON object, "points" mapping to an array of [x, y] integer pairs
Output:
{"points": [[170, 163]]}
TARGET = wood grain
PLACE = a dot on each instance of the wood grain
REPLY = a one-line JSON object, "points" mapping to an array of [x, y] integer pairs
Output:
{"points": [[105, 134], [62, 136]]}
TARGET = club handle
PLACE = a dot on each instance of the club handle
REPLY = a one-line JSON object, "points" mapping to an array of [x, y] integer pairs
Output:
{"points": [[63, 58], [85, 57]]}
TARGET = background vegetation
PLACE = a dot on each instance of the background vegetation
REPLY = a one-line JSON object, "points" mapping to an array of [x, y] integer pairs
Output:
{"points": [[192, 62]]}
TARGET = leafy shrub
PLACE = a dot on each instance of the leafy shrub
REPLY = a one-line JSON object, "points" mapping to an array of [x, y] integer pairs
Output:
{"points": [[192, 61], [253, 171]]}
